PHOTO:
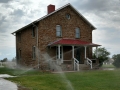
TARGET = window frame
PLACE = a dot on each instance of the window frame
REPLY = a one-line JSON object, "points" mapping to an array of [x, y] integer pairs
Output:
{"points": [[58, 31], [19, 54], [19, 36], [77, 32], [68, 16], [33, 31]]}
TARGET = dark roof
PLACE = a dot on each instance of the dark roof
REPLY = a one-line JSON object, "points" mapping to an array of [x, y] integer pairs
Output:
{"points": [[55, 12], [75, 42]]}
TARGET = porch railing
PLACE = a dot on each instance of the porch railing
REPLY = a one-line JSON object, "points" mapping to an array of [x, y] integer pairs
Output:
{"points": [[76, 64], [89, 62]]}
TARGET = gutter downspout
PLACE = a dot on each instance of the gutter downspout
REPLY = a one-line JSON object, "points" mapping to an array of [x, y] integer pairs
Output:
{"points": [[37, 43]]}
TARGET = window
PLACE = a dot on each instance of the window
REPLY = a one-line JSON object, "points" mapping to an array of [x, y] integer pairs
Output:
{"points": [[77, 32], [19, 54], [33, 31], [33, 52], [19, 36], [58, 31], [68, 16]]}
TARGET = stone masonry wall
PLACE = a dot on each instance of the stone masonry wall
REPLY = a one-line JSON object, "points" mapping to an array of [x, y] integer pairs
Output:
{"points": [[47, 34], [47, 27]]}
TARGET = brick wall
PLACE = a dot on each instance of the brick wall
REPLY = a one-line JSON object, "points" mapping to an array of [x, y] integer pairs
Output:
{"points": [[47, 34]]}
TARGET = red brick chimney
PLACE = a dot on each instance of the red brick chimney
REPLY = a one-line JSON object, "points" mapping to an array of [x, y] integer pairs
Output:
{"points": [[50, 8]]}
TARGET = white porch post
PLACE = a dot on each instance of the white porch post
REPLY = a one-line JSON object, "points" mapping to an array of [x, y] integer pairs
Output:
{"points": [[96, 52], [73, 55], [58, 54], [62, 54], [85, 52], [72, 51], [58, 51]]}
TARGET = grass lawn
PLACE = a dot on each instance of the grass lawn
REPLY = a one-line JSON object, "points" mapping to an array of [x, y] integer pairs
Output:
{"points": [[84, 80], [108, 66]]}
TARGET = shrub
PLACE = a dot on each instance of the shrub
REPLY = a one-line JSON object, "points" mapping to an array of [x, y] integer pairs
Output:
{"points": [[116, 62]]}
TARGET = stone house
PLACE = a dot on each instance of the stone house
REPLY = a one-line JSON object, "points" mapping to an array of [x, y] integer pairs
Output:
{"points": [[63, 36]]}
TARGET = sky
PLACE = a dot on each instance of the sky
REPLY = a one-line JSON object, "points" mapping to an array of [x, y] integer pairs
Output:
{"points": [[103, 14]]}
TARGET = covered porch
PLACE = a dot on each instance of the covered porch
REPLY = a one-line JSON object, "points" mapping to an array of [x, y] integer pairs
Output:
{"points": [[74, 52]]}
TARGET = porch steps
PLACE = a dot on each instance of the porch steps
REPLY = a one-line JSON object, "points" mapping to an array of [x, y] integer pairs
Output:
{"points": [[95, 66], [87, 67], [84, 67]]}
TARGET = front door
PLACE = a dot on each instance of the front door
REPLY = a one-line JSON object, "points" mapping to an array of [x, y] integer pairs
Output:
{"points": [[78, 54]]}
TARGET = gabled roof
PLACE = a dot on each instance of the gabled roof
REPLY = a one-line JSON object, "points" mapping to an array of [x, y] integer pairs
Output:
{"points": [[55, 12], [75, 42]]}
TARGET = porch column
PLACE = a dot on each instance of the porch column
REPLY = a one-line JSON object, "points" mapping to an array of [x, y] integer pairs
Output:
{"points": [[85, 52], [62, 54], [72, 51], [58, 51], [96, 52], [58, 61], [73, 56]]}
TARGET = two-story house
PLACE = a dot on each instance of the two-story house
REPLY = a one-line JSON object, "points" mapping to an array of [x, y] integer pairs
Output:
{"points": [[62, 37]]}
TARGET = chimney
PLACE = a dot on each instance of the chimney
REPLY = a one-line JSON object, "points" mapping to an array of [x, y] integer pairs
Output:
{"points": [[50, 8]]}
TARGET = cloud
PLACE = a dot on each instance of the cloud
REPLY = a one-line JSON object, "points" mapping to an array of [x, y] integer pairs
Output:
{"points": [[5, 1], [0, 53], [18, 13], [103, 14]]}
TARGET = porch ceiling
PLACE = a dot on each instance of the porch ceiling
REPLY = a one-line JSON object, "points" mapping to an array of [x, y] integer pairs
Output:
{"points": [[71, 42]]}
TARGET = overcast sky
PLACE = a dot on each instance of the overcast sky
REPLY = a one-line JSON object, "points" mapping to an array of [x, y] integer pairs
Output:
{"points": [[103, 14]]}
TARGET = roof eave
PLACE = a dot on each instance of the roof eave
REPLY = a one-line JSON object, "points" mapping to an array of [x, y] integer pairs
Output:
{"points": [[94, 28], [55, 12]]}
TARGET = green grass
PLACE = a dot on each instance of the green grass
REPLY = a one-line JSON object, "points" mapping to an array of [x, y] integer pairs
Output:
{"points": [[18, 72], [108, 66], [84, 80]]}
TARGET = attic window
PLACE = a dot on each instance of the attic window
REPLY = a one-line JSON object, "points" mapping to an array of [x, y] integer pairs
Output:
{"points": [[68, 16]]}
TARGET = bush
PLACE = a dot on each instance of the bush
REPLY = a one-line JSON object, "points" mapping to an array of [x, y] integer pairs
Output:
{"points": [[116, 62], [103, 55]]}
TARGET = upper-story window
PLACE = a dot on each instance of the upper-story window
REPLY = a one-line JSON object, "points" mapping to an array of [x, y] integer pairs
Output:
{"points": [[19, 36], [33, 31], [19, 54], [77, 32], [58, 31]]}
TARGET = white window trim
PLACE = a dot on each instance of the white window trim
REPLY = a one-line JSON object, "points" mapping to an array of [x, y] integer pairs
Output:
{"points": [[60, 32], [77, 33]]}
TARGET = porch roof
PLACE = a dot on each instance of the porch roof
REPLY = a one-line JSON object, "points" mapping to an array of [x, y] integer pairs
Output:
{"points": [[74, 42]]}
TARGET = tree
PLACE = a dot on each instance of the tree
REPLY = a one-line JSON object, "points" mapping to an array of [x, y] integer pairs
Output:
{"points": [[116, 62], [14, 59], [4, 60], [103, 55]]}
